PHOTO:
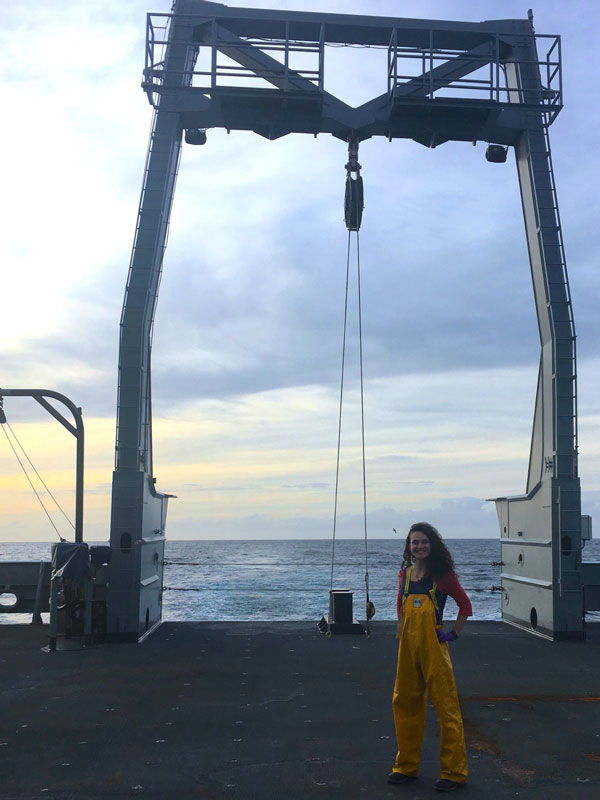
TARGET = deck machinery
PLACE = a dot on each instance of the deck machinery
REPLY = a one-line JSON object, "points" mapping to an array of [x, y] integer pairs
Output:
{"points": [[211, 66]]}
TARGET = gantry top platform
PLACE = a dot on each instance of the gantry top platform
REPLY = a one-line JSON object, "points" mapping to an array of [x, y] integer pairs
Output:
{"points": [[264, 71]]}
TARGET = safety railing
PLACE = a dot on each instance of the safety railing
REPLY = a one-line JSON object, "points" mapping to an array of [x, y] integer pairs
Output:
{"points": [[227, 62], [425, 73]]}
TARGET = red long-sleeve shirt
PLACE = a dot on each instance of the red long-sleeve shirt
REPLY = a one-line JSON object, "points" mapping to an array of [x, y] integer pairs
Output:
{"points": [[446, 584]]}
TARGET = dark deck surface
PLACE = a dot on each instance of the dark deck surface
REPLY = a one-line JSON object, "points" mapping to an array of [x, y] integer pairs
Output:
{"points": [[276, 710]]}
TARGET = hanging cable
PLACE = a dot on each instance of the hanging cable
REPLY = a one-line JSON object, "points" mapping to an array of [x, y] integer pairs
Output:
{"points": [[353, 208], [339, 439], [58, 505], [31, 484], [362, 424]]}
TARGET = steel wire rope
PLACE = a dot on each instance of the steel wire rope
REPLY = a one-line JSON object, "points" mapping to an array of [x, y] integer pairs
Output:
{"points": [[31, 464], [216, 589], [362, 415], [30, 481], [339, 437], [250, 564], [301, 42], [301, 564], [362, 423]]}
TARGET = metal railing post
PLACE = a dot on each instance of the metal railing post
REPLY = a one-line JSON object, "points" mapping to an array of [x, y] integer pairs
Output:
{"points": [[36, 617], [53, 614]]}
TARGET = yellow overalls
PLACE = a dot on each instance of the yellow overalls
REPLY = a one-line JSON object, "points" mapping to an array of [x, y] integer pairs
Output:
{"points": [[424, 667]]}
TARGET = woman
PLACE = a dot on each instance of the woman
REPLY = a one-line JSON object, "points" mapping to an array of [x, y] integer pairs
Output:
{"points": [[427, 577]]}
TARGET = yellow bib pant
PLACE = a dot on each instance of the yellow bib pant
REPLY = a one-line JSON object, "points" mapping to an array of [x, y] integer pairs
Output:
{"points": [[424, 667]]}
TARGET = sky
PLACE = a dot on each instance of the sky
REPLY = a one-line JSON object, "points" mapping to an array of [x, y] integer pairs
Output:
{"points": [[248, 331]]}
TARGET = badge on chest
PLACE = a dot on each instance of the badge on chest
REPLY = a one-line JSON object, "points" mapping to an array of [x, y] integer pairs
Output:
{"points": [[416, 602]]}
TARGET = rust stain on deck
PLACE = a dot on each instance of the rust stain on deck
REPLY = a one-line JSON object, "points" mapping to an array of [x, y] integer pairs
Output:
{"points": [[483, 743]]}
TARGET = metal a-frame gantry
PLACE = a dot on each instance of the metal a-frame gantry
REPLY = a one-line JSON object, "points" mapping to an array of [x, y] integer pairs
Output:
{"points": [[211, 66]]}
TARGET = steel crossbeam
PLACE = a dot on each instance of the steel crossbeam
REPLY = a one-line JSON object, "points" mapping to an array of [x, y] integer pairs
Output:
{"points": [[282, 106]]}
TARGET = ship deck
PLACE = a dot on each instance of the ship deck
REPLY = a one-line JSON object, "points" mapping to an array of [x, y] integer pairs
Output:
{"points": [[276, 710]]}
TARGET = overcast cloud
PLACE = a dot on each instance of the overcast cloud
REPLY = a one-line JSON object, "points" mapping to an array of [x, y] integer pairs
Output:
{"points": [[247, 344]]}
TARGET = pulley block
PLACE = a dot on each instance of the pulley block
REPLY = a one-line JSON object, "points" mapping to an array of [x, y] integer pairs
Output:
{"points": [[353, 202]]}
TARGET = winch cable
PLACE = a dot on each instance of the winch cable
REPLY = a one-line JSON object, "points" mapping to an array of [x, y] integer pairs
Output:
{"points": [[339, 439], [353, 206], [7, 424], [362, 426], [41, 480]]}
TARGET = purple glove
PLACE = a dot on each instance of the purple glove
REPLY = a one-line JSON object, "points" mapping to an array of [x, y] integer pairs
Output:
{"points": [[442, 636]]}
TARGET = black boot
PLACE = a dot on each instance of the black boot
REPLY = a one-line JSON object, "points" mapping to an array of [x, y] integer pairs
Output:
{"points": [[445, 785], [400, 777]]}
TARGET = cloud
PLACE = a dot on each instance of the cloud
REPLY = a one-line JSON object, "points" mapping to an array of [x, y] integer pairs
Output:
{"points": [[195, 487], [247, 342], [462, 518]]}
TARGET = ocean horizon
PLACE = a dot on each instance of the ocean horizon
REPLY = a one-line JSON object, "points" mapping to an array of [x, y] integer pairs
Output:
{"points": [[289, 579]]}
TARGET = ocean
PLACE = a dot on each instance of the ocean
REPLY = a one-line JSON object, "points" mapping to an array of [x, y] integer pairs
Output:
{"points": [[289, 580]]}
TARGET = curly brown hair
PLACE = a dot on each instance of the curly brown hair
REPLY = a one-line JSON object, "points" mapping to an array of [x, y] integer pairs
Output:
{"points": [[440, 560]]}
